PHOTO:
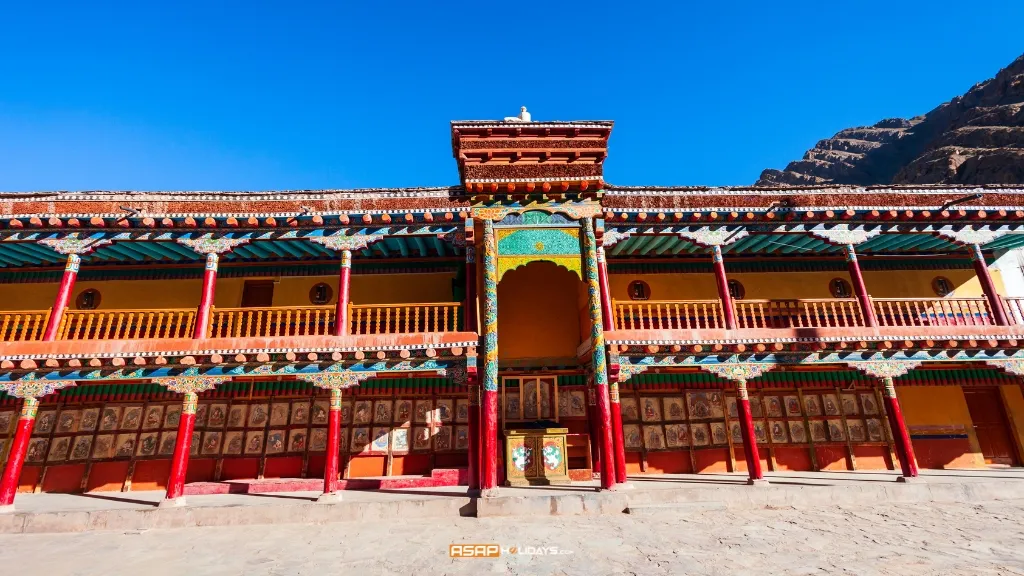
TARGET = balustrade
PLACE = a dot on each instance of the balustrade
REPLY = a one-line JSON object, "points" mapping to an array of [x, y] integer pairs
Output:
{"points": [[668, 315], [23, 325], [809, 313], [933, 312], [404, 318], [126, 324], [1014, 309], [271, 321]]}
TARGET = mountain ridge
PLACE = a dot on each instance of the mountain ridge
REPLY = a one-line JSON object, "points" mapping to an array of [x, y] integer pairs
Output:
{"points": [[975, 138]]}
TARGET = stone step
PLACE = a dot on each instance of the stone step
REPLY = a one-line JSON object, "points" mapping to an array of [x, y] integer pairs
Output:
{"points": [[673, 508]]}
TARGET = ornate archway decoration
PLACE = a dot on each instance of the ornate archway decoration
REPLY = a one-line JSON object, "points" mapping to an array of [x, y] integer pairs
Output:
{"points": [[573, 210], [845, 235], [517, 247], [343, 242]]}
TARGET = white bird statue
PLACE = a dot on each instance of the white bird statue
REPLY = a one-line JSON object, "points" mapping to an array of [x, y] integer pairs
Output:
{"points": [[524, 116]]}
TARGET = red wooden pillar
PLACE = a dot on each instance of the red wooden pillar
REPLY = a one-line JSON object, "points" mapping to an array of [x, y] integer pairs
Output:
{"points": [[599, 362], [723, 288], [489, 423], [608, 321], [182, 446], [489, 400], [749, 437], [594, 421], [900, 436], [474, 437], [471, 283], [333, 448], [67, 286], [19, 447], [994, 302], [858, 286], [341, 319], [206, 303]]}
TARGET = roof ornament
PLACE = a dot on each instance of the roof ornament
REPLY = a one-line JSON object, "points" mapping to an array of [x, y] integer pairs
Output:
{"points": [[524, 116]]}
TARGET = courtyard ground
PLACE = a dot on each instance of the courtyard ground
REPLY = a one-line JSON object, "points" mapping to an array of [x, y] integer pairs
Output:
{"points": [[898, 539]]}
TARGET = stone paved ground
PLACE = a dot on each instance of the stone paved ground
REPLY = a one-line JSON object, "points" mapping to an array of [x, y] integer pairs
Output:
{"points": [[946, 539]]}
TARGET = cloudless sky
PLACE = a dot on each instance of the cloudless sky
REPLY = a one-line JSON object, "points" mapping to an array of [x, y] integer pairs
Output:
{"points": [[258, 95]]}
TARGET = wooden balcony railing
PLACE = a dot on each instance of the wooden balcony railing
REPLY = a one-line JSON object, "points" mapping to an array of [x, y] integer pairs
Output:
{"points": [[23, 325], [276, 321], [404, 318], [1014, 310], [812, 313], [126, 324], [668, 315], [933, 312]]}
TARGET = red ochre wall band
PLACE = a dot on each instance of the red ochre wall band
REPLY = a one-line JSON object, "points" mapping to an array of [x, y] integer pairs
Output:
{"points": [[672, 423]]}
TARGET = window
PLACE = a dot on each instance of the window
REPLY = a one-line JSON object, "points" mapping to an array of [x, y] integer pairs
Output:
{"points": [[320, 293], [736, 290], [942, 286], [639, 290], [840, 288], [88, 299]]}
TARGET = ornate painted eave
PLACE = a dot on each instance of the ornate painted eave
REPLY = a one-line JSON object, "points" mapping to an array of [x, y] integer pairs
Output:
{"points": [[627, 365], [778, 339]]}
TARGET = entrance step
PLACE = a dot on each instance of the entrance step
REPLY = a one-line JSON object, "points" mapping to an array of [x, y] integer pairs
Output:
{"points": [[437, 478], [673, 508]]}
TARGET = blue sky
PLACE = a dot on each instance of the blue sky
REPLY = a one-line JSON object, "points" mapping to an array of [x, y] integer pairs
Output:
{"points": [[270, 95]]}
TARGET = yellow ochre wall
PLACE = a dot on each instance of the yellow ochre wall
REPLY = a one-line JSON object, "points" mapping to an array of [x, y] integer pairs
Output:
{"points": [[538, 314], [419, 288], [289, 291], [780, 285], [937, 407]]}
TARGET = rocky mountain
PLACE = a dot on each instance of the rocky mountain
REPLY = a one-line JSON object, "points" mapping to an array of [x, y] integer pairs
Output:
{"points": [[976, 138]]}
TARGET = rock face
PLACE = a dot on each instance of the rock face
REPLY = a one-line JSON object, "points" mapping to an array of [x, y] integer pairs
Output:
{"points": [[977, 138]]}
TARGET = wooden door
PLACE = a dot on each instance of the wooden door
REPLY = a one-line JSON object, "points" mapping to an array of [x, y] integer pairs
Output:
{"points": [[991, 426], [258, 294]]}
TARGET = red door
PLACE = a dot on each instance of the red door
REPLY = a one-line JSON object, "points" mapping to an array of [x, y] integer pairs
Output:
{"points": [[258, 294], [990, 425]]}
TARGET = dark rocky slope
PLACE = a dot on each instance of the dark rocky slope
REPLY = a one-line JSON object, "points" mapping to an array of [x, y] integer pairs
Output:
{"points": [[977, 138]]}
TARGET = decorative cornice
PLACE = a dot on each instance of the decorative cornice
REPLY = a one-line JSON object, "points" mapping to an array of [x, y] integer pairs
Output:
{"points": [[32, 387], [707, 236], [844, 234], [191, 384], [209, 245], [885, 368], [73, 244], [343, 242], [969, 236], [337, 380]]}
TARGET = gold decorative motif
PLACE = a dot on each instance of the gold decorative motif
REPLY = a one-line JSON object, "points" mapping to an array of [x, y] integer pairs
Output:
{"points": [[335, 399], [190, 403], [29, 407]]}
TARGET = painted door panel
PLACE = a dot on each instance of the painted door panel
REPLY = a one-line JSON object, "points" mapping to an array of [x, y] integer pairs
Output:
{"points": [[990, 425]]}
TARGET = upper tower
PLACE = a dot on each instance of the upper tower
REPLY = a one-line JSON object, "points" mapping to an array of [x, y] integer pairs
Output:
{"points": [[519, 156]]}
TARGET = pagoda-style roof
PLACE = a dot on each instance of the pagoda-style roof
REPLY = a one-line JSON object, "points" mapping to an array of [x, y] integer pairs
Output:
{"points": [[520, 157]]}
